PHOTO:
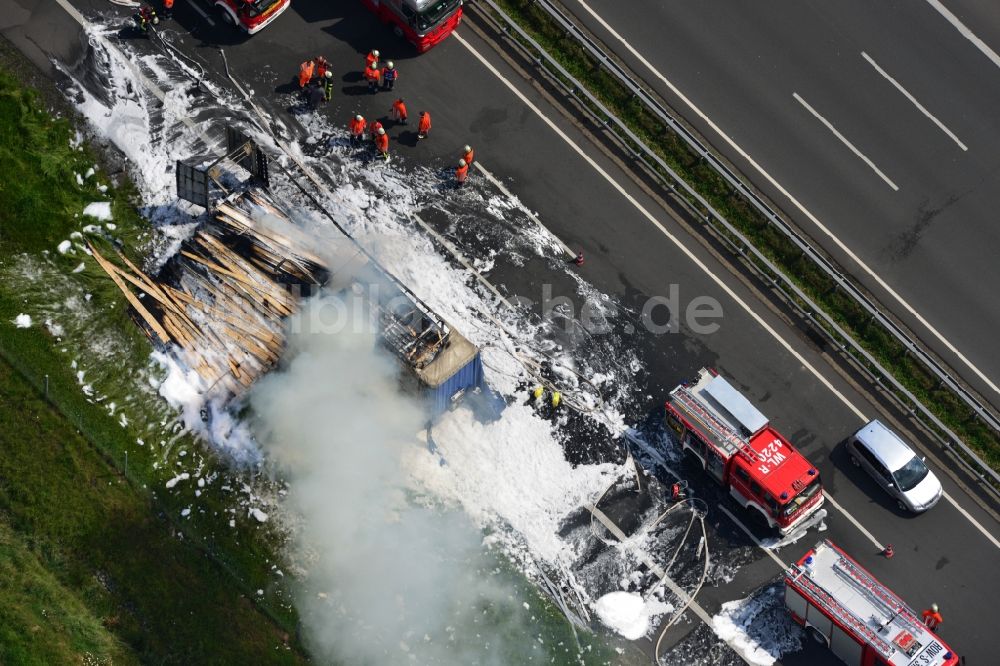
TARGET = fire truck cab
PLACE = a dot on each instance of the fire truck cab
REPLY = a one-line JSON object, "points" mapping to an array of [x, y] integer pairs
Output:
{"points": [[862, 622], [424, 23], [251, 16], [737, 446]]}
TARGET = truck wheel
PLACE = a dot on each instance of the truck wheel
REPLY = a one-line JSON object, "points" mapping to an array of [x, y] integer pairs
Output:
{"points": [[226, 17], [756, 519], [816, 636]]}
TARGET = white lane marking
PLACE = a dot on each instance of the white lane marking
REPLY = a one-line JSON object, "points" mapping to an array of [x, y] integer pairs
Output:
{"points": [[857, 523], [149, 85], [503, 188], [750, 534], [843, 139], [972, 520], [650, 564], [79, 18], [913, 99], [681, 246], [659, 225], [795, 202], [979, 44], [462, 260], [194, 6]]}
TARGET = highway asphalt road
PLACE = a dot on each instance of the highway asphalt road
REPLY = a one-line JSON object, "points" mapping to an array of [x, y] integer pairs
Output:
{"points": [[940, 556], [912, 197]]}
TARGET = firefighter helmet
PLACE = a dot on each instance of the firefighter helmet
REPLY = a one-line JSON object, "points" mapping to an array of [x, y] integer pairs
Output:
{"points": [[467, 149], [934, 607], [375, 53], [461, 163], [390, 65], [381, 130], [328, 74], [359, 117]]}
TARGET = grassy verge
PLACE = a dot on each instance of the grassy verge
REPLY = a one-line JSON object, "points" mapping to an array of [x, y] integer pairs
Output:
{"points": [[947, 406], [41, 620], [90, 569], [169, 574]]}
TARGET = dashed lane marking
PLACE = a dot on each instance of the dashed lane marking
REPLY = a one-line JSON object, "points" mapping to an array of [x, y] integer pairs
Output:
{"points": [[972, 520], [968, 34], [857, 523], [534, 218], [843, 139], [656, 569], [906, 93], [781, 563], [722, 285], [462, 260], [204, 15], [677, 242], [795, 202]]}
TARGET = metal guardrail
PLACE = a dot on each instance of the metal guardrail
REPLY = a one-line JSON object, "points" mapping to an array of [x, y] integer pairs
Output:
{"points": [[628, 140]]}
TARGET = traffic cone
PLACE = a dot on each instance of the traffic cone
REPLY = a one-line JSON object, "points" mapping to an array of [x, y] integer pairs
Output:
{"points": [[888, 552], [578, 260]]}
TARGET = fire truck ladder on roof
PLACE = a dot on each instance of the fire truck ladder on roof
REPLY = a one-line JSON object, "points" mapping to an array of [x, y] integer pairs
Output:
{"points": [[870, 586], [840, 613], [683, 395]]}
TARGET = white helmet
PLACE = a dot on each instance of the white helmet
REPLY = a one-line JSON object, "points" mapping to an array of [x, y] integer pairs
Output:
{"points": [[329, 75], [461, 163], [467, 149], [390, 64], [156, 21], [934, 607], [375, 52], [359, 117], [381, 130]]}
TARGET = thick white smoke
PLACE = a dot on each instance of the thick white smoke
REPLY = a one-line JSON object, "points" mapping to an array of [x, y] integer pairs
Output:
{"points": [[388, 581]]}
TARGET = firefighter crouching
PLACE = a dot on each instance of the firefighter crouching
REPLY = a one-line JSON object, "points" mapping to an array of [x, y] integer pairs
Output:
{"points": [[550, 406], [145, 19]]}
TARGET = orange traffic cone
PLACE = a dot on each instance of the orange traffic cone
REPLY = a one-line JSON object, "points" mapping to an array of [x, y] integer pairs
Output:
{"points": [[888, 552]]}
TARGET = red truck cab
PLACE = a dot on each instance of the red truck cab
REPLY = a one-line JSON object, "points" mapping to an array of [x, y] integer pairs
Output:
{"points": [[424, 23], [738, 448], [251, 16]]}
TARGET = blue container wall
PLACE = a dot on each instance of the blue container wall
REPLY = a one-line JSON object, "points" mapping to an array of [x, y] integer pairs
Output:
{"points": [[469, 377]]}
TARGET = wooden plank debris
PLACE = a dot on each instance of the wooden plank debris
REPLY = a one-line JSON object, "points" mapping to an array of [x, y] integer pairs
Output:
{"points": [[221, 302]]}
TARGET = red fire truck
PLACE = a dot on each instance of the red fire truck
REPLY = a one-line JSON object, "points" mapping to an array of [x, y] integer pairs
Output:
{"points": [[250, 15], [842, 606], [424, 23], [737, 446]]}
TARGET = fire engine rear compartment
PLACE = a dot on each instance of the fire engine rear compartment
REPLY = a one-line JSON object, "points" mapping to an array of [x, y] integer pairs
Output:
{"points": [[861, 620]]}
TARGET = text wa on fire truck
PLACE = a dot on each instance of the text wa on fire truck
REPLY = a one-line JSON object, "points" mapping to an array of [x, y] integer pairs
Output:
{"points": [[737, 447], [859, 619]]}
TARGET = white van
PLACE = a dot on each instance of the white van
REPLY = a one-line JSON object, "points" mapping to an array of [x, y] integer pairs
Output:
{"points": [[894, 466]]}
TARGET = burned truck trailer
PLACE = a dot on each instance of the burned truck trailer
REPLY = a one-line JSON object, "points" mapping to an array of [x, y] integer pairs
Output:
{"points": [[443, 364], [221, 302]]}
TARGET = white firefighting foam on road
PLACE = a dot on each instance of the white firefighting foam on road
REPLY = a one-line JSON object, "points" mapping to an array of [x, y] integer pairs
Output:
{"points": [[481, 462]]}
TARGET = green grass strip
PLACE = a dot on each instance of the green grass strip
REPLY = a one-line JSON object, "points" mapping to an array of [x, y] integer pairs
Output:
{"points": [[169, 590], [95, 569]]}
